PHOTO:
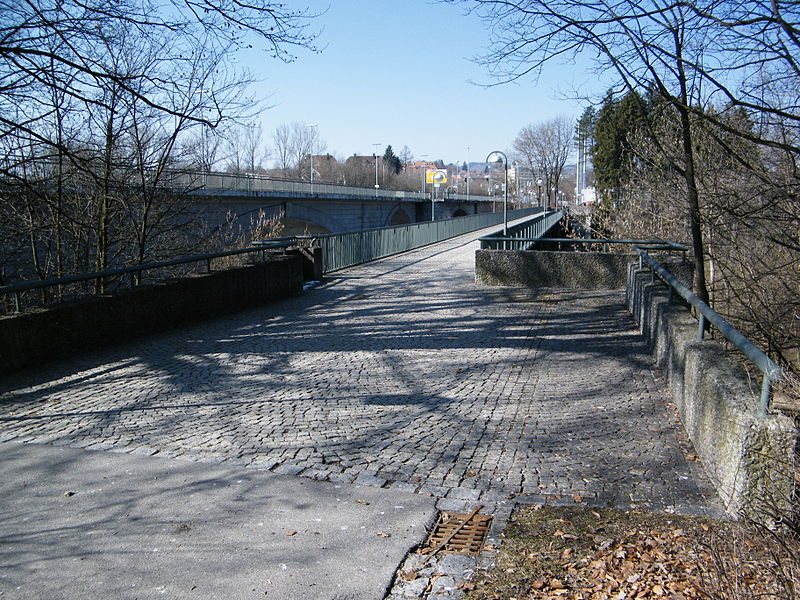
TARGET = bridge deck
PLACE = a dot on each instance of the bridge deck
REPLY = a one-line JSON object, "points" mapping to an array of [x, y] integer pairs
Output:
{"points": [[402, 370]]}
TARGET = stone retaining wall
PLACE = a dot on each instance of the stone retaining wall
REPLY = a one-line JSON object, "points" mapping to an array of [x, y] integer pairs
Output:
{"points": [[750, 459], [539, 268], [32, 338]]}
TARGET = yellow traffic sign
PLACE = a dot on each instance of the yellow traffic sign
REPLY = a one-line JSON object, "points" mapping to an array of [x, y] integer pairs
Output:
{"points": [[436, 176]]}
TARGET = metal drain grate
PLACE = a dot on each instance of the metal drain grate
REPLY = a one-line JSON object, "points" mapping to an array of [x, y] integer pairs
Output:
{"points": [[464, 534]]}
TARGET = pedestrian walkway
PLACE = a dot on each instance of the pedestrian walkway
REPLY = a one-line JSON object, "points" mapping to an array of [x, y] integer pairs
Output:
{"points": [[401, 374]]}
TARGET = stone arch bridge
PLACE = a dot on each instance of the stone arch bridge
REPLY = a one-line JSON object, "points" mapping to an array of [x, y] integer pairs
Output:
{"points": [[321, 208]]}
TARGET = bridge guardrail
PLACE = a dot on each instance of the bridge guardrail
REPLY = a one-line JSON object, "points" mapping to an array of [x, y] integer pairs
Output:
{"points": [[259, 183], [519, 236], [15, 289], [705, 314], [770, 370], [341, 250]]}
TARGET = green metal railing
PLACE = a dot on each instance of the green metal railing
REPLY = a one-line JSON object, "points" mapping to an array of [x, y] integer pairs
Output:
{"points": [[706, 315], [523, 235], [340, 250], [523, 242]]}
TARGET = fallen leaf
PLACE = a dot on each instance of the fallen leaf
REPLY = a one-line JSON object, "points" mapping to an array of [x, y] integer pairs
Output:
{"points": [[384, 534], [70, 493], [291, 533], [362, 502], [466, 585], [408, 575]]}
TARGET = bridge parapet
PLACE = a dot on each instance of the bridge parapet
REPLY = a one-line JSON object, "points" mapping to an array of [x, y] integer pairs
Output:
{"points": [[748, 451], [221, 184]]}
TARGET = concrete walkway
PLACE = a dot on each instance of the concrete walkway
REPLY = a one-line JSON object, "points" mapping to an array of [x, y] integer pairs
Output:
{"points": [[401, 375]]}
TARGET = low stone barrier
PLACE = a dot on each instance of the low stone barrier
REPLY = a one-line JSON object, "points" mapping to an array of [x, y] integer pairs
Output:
{"points": [[539, 268], [749, 459], [32, 338]]}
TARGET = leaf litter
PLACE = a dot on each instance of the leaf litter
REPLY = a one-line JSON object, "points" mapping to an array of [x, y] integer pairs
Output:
{"points": [[574, 553]]}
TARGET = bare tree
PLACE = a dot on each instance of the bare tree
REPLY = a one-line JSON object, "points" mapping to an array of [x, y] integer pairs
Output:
{"points": [[688, 53], [544, 149], [305, 141], [282, 142], [245, 151], [254, 151], [97, 101], [405, 155], [70, 46], [294, 142]]}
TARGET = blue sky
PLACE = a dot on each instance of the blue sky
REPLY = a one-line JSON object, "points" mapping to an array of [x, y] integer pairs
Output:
{"points": [[400, 73]]}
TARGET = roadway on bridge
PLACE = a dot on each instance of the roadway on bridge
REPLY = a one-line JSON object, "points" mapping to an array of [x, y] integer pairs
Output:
{"points": [[394, 384]]}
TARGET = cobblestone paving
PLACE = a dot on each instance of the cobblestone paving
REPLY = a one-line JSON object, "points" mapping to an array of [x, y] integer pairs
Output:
{"points": [[401, 374]]}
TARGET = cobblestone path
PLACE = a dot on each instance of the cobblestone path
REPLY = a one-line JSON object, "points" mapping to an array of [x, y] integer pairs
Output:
{"points": [[402, 374]]}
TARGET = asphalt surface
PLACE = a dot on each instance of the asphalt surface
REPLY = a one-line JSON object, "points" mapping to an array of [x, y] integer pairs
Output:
{"points": [[80, 524], [400, 378]]}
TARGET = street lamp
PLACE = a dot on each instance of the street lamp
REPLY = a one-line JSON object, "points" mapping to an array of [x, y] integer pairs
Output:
{"points": [[501, 157], [423, 169], [539, 183], [312, 154], [468, 165], [203, 141], [378, 145]]}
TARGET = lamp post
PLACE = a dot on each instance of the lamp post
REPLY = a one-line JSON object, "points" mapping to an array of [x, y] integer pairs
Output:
{"points": [[423, 169], [378, 145], [203, 141], [313, 134], [468, 161], [501, 157], [539, 183]]}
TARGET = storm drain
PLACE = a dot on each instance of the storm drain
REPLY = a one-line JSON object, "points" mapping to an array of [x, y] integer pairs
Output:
{"points": [[464, 534]]}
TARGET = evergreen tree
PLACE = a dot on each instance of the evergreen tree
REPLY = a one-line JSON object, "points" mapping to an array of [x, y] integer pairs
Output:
{"points": [[392, 161], [611, 148]]}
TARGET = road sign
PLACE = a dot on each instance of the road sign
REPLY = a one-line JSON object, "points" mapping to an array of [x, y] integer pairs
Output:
{"points": [[436, 176]]}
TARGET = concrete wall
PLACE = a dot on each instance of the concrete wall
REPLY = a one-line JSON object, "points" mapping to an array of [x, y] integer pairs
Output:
{"points": [[750, 460], [536, 268], [32, 338]]}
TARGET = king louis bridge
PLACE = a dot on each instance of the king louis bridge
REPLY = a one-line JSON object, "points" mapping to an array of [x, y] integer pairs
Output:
{"points": [[321, 207]]}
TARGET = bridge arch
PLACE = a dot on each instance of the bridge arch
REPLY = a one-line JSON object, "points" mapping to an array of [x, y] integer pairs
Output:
{"points": [[398, 217], [459, 212], [292, 226]]}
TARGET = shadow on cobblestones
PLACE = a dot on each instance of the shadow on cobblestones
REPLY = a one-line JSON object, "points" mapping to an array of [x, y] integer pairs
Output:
{"points": [[402, 371]]}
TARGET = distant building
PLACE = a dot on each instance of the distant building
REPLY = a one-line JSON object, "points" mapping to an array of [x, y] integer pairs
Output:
{"points": [[419, 165], [588, 196], [363, 161]]}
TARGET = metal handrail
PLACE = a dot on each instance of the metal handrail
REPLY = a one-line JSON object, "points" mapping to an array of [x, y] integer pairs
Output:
{"points": [[341, 250], [16, 288], [528, 232], [771, 371], [650, 244]]}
